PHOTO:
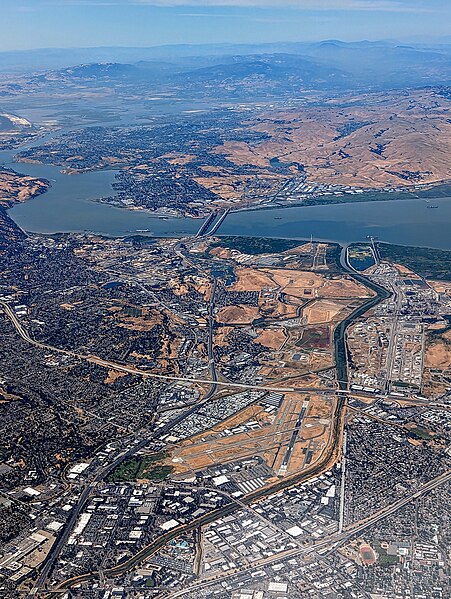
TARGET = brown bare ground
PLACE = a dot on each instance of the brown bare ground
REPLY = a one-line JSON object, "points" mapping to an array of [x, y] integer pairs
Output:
{"points": [[203, 287], [136, 324], [441, 286], [310, 430], [112, 376], [18, 188], [238, 314], [276, 309], [438, 353], [179, 159], [403, 270], [345, 287], [250, 279], [318, 361], [226, 188], [272, 338], [322, 311], [319, 407], [221, 252], [294, 282], [178, 287], [220, 337], [413, 130], [433, 388], [67, 306]]}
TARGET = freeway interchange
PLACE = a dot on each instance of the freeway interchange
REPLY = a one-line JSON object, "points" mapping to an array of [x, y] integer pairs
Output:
{"points": [[329, 457], [215, 384]]}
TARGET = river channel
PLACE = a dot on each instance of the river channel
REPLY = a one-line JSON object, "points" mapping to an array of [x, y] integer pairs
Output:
{"points": [[68, 206]]}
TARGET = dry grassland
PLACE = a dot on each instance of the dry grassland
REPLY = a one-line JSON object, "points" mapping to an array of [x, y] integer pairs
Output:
{"points": [[438, 352], [251, 279], [401, 132], [18, 188], [238, 314], [272, 338], [322, 311]]}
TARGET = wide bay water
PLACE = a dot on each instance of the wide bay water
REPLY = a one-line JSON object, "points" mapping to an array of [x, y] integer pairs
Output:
{"points": [[68, 207]]}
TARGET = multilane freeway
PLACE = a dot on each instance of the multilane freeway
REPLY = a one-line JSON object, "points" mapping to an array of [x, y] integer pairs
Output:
{"points": [[327, 459]]}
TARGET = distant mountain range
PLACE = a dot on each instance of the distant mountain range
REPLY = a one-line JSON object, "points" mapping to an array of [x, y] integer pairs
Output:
{"points": [[282, 68], [273, 67]]}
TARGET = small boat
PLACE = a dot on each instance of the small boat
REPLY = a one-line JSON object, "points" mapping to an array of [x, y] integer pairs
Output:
{"points": [[431, 206]]}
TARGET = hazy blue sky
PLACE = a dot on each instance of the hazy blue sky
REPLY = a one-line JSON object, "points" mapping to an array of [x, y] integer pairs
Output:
{"points": [[63, 23]]}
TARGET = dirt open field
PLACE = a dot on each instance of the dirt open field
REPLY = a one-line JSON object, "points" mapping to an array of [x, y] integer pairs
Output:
{"points": [[298, 284], [238, 314], [251, 279], [295, 282], [272, 338], [319, 360], [438, 352], [406, 272], [306, 285], [319, 408], [441, 286], [224, 253], [322, 311], [346, 288]]}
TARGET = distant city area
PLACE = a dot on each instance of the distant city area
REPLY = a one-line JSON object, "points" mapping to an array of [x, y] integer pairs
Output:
{"points": [[249, 156]]}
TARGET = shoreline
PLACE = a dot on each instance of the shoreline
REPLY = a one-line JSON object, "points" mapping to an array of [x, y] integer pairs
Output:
{"points": [[430, 191], [141, 235], [322, 200], [439, 191]]}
